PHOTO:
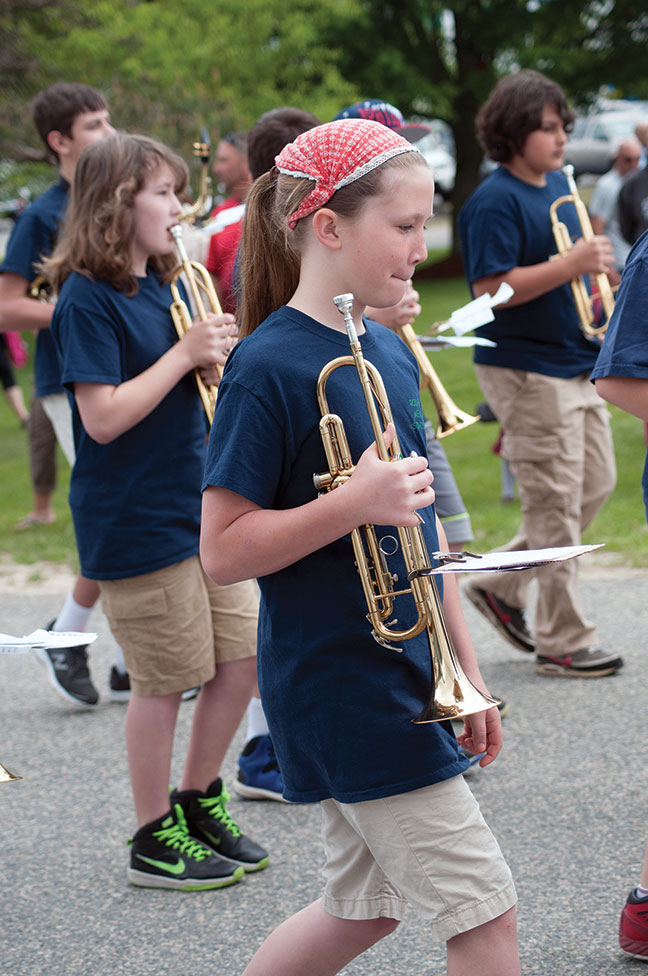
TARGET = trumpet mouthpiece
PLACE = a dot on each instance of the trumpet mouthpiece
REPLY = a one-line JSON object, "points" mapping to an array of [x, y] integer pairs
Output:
{"points": [[343, 302], [176, 232]]}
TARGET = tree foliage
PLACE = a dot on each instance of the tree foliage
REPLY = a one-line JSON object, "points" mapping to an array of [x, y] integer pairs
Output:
{"points": [[169, 67], [442, 59]]}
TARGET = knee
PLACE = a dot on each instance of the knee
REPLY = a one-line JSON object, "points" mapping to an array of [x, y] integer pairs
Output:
{"points": [[382, 927]]}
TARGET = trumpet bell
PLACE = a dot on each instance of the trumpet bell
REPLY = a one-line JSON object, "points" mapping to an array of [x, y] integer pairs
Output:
{"points": [[6, 776], [453, 696]]}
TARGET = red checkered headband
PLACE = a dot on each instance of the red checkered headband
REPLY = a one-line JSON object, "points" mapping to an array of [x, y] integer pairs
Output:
{"points": [[335, 154]]}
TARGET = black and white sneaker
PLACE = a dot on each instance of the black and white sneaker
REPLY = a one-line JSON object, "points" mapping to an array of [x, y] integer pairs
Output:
{"points": [[68, 674], [164, 855], [209, 821]]}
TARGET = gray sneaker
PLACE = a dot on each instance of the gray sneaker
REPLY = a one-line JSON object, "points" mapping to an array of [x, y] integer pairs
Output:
{"points": [[68, 674], [588, 662]]}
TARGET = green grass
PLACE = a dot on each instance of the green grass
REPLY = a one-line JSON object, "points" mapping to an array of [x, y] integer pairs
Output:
{"points": [[621, 525]]}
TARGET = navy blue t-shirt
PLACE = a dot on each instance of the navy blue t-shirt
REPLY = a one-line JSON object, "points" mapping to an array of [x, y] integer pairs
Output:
{"points": [[503, 225], [33, 238], [625, 348], [136, 501], [339, 705]]}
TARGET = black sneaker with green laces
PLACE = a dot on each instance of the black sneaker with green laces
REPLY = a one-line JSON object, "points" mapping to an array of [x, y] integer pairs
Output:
{"points": [[165, 855], [209, 821]]}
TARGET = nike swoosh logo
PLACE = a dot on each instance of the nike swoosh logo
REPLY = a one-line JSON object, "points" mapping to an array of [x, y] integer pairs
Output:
{"points": [[176, 868], [214, 841]]}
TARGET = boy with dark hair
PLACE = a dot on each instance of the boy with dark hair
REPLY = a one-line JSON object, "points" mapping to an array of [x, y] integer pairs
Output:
{"points": [[57, 109], [68, 117], [557, 436]]}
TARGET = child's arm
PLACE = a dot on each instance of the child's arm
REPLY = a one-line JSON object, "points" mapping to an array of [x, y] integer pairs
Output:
{"points": [[483, 730], [630, 393], [530, 281], [240, 540], [17, 309], [109, 411]]}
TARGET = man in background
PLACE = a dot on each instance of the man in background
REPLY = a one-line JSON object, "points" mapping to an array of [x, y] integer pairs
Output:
{"points": [[603, 205]]}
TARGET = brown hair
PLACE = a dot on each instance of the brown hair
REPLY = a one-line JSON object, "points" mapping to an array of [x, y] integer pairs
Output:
{"points": [[274, 130], [270, 251], [56, 108], [514, 109], [99, 224]]}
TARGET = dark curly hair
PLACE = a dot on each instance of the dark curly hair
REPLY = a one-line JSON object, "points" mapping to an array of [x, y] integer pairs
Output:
{"points": [[514, 109]]}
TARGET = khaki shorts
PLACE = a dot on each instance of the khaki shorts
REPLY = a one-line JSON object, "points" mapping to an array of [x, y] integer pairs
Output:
{"points": [[175, 625], [430, 848]]}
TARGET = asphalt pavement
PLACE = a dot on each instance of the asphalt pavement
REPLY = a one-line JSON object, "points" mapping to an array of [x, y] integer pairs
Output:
{"points": [[566, 799]]}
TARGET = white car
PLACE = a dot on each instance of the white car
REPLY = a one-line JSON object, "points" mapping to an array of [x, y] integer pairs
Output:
{"points": [[594, 139], [441, 162]]}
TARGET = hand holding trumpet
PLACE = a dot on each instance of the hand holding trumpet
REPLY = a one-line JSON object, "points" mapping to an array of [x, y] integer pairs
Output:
{"points": [[594, 256], [207, 343], [390, 492]]}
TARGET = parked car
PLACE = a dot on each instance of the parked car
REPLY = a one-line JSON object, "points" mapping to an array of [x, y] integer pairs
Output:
{"points": [[594, 138], [441, 162]]}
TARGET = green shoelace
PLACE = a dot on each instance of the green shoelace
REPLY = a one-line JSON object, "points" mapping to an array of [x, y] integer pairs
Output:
{"points": [[216, 807], [177, 836]]}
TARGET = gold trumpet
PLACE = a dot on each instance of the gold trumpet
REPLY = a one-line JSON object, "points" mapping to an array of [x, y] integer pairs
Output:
{"points": [[451, 418], [202, 204], [6, 776], [201, 288], [582, 298], [452, 694]]}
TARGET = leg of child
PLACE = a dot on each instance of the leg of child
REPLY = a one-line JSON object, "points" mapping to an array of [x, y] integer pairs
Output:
{"points": [[150, 724], [42, 462], [14, 396], [314, 942], [487, 950], [219, 709]]}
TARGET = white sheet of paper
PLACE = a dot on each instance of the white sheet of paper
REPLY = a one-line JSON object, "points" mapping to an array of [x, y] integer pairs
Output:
{"points": [[508, 561], [478, 312], [43, 638], [446, 342]]}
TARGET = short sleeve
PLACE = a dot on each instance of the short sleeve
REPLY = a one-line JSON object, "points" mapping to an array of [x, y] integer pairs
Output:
{"points": [[625, 347], [88, 345], [490, 241], [246, 452]]}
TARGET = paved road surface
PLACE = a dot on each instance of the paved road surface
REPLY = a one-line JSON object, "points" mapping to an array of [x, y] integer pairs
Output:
{"points": [[567, 799]]}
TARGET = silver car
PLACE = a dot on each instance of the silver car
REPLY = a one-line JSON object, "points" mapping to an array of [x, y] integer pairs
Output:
{"points": [[594, 139]]}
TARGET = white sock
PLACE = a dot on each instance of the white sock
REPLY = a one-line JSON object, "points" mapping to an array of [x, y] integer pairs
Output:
{"points": [[257, 724], [73, 617], [641, 892], [120, 664]]}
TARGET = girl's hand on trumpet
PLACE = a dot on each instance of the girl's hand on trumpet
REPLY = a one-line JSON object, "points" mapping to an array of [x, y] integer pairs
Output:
{"points": [[208, 341], [389, 492]]}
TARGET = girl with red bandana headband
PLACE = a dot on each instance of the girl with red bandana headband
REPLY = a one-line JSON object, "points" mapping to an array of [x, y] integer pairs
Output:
{"points": [[344, 211]]}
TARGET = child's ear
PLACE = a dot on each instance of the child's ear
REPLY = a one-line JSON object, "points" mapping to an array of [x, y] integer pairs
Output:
{"points": [[56, 141], [325, 228]]}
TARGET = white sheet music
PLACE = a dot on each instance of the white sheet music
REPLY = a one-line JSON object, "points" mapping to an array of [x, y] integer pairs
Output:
{"points": [[478, 312], [450, 341], [43, 638], [507, 561]]}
